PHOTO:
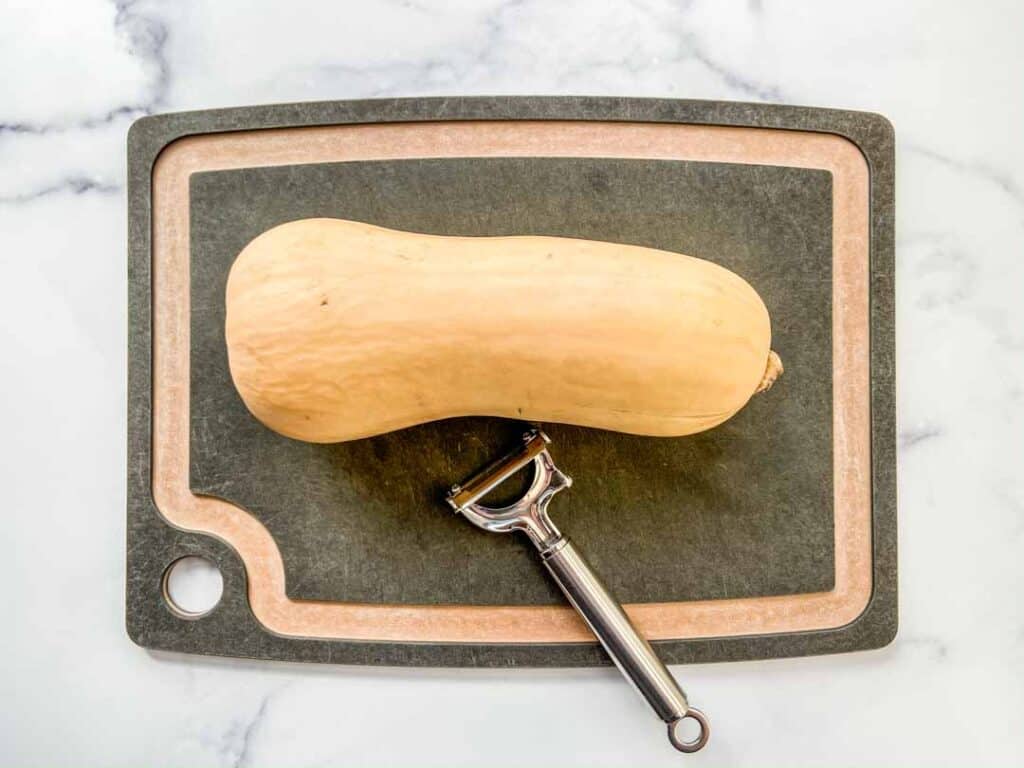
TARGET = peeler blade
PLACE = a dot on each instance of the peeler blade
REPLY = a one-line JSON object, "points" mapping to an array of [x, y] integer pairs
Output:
{"points": [[494, 474]]}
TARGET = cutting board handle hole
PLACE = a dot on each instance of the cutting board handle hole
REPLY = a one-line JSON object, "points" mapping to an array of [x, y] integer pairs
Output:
{"points": [[192, 587]]}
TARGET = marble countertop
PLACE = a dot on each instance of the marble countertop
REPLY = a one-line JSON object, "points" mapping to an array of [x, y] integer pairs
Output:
{"points": [[950, 76]]}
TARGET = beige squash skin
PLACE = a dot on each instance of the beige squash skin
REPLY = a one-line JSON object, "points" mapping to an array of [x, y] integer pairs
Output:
{"points": [[338, 330]]}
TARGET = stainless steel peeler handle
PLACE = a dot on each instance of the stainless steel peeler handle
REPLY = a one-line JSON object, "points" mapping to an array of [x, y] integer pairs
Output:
{"points": [[631, 653]]}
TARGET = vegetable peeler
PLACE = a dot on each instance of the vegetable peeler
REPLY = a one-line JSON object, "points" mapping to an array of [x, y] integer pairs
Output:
{"points": [[632, 654]]}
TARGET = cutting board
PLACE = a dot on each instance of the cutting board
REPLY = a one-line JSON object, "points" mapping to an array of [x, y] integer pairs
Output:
{"points": [[771, 535]]}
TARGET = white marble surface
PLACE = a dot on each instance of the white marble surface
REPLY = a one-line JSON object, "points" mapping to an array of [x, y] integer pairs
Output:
{"points": [[950, 75]]}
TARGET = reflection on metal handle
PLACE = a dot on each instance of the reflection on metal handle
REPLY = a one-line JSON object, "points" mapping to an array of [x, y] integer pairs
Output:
{"points": [[631, 653]]}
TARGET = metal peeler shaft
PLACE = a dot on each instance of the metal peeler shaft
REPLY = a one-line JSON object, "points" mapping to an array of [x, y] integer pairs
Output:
{"points": [[632, 654]]}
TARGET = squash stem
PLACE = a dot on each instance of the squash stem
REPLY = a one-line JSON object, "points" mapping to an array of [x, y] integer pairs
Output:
{"points": [[772, 371]]}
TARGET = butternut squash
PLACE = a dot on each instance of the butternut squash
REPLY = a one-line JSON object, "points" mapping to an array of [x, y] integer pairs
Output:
{"points": [[338, 330]]}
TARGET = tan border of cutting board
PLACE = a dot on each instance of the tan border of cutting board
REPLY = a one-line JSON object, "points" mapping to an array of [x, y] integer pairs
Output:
{"points": [[517, 624]]}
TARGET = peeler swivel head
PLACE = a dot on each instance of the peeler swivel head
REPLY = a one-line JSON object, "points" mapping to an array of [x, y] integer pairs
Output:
{"points": [[529, 513]]}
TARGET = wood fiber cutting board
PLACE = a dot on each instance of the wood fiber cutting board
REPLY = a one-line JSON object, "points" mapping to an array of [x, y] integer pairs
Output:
{"points": [[771, 535]]}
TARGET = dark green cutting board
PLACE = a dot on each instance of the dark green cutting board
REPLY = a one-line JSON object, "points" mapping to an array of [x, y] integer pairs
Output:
{"points": [[743, 510]]}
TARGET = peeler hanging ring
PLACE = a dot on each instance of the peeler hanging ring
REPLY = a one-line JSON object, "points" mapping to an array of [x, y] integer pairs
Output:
{"points": [[693, 745]]}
